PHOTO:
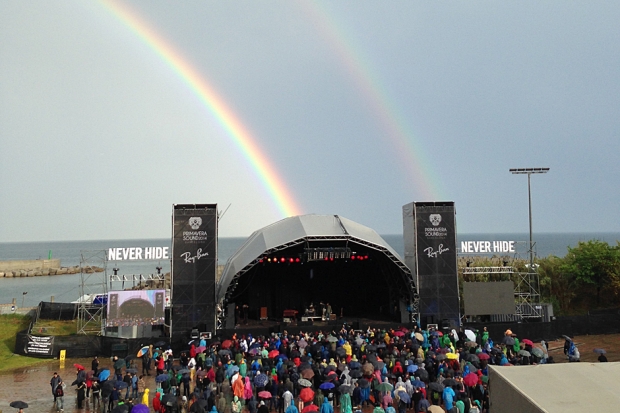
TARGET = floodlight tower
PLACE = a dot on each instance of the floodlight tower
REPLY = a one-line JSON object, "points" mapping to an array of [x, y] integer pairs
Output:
{"points": [[529, 172], [534, 294]]}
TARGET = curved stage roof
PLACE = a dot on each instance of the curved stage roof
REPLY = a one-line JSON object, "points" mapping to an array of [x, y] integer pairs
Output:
{"points": [[310, 230]]}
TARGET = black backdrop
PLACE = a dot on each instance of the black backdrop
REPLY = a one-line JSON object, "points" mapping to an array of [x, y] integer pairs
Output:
{"points": [[194, 263]]}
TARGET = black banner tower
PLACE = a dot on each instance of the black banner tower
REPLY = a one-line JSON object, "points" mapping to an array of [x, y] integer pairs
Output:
{"points": [[429, 231], [194, 266]]}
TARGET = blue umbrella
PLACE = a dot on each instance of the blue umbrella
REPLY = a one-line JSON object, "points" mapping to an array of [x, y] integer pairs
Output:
{"points": [[600, 350], [412, 368], [104, 374], [161, 378], [327, 386], [282, 356], [120, 385], [404, 397], [261, 380], [417, 383], [233, 370]]}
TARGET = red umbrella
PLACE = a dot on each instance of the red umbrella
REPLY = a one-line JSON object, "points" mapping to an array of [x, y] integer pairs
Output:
{"points": [[226, 344], [78, 366], [471, 379], [306, 395], [310, 408], [527, 341], [399, 333], [273, 353], [264, 394], [483, 356], [439, 333]]}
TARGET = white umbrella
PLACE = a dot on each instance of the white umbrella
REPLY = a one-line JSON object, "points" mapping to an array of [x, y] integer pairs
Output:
{"points": [[470, 335]]}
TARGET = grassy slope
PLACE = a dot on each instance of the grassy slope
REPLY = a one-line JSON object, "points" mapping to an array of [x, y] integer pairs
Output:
{"points": [[10, 325]]}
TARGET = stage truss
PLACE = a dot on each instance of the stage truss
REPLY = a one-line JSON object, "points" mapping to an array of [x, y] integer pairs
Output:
{"points": [[91, 317], [526, 284]]}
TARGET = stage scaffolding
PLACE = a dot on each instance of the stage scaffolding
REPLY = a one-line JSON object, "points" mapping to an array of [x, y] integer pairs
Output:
{"points": [[526, 283], [91, 313]]}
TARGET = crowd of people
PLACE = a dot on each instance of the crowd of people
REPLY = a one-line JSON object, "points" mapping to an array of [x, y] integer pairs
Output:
{"points": [[349, 371]]}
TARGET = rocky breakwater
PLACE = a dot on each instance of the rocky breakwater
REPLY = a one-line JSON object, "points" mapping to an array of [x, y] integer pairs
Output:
{"points": [[39, 268]]}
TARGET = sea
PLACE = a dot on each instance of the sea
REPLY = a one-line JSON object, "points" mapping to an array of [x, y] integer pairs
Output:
{"points": [[66, 288]]}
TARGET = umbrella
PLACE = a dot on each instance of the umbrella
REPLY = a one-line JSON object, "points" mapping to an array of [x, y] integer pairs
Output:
{"points": [[104, 374], [472, 358], [524, 353], [78, 366], [341, 352], [452, 356], [371, 348], [356, 374], [273, 353], [264, 394], [18, 404], [378, 365], [226, 344], [130, 357], [449, 382], [435, 409], [385, 387], [470, 344], [177, 368], [183, 371], [472, 368], [254, 351], [161, 378], [327, 386], [600, 351], [527, 341], [132, 371], [418, 384], [332, 339], [435, 386], [119, 364], [224, 353], [201, 373], [422, 374], [399, 333], [538, 352], [302, 343], [140, 408], [160, 343], [310, 408], [404, 397], [304, 383], [471, 379], [307, 374], [508, 340], [199, 349], [143, 351], [282, 356], [344, 388], [306, 395], [483, 356], [363, 383], [233, 370], [567, 338], [440, 357], [470, 335], [261, 380], [120, 385]]}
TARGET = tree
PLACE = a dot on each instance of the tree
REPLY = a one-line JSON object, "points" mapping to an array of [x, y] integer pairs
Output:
{"points": [[595, 264], [556, 286]]}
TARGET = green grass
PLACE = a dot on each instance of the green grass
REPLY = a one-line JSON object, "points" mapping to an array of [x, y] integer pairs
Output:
{"points": [[55, 327], [10, 325]]}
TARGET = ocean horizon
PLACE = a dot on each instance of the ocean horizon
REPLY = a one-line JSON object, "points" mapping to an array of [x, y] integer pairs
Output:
{"points": [[67, 288]]}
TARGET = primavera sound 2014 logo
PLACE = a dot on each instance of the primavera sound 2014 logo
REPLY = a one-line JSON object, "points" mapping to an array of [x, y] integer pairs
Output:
{"points": [[194, 236], [435, 219], [195, 222], [435, 231]]}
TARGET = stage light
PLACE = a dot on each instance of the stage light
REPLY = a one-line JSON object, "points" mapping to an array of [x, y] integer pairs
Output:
{"points": [[353, 257], [282, 259], [291, 260], [365, 257], [297, 259]]}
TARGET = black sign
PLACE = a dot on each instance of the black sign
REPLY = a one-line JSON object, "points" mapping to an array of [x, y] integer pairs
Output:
{"points": [[39, 346], [436, 261], [194, 264]]}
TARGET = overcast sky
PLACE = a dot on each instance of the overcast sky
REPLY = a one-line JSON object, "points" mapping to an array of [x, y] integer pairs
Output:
{"points": [[359, 106]]}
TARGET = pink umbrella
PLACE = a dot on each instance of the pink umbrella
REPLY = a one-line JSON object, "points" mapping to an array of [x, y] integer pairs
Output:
{"points": [[483, 356], [471, 379], [200, 349], [399, 333], [527, 341]]}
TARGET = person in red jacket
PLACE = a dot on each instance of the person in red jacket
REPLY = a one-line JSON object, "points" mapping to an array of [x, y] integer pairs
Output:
{"points": [[156, 402]]}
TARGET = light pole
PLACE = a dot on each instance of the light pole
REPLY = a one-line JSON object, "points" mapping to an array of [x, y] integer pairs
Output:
{"points": [[529, 172]]}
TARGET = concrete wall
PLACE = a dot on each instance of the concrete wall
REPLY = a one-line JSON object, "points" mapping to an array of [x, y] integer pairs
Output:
{"points": [[14, 309], [29, 264]]}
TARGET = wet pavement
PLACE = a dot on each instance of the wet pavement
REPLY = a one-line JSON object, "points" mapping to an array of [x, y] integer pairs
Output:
{"points": [[32, 385]]}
